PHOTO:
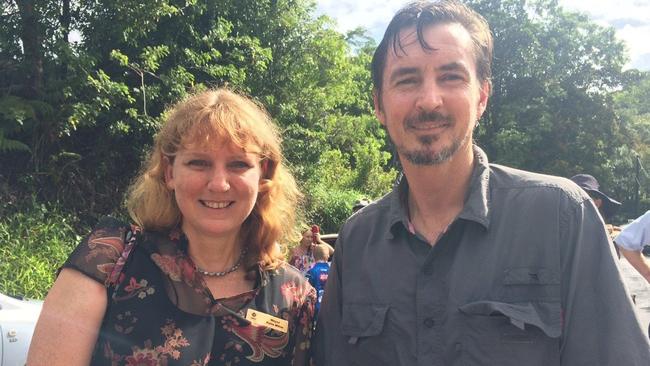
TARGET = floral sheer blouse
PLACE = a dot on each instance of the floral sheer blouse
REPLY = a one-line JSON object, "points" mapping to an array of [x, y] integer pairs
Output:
{"points": [[160, 312]]}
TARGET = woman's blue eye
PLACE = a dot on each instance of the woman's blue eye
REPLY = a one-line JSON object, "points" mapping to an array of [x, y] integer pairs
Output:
{"points": [[240, 164]]}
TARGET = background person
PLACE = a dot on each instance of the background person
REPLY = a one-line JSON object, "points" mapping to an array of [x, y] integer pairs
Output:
{"points": [[302, 255], [184, 285], [318, 273], [606, 205], [631, 241], [359, 204]]}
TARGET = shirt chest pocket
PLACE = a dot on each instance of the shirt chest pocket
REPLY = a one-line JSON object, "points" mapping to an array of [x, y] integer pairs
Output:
{"points": [[530, 284], [499, 333], [363, 325], [520, 325]]}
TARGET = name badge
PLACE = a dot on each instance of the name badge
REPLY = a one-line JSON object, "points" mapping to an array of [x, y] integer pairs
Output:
{"points": [[265, 320]]}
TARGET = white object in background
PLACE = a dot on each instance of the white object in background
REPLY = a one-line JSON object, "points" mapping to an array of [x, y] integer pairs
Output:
{"points": [[17, 321]]}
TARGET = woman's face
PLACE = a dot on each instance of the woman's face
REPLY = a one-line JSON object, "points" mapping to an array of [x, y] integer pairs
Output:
{"points": [[306, 238], [215, 189]]}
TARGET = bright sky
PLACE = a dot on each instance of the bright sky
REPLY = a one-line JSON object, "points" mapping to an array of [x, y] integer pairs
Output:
{"points": [[630, 18]]}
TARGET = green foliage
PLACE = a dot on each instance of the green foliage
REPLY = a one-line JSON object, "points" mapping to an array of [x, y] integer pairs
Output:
{"points": [[35, 240], [329, 207], [632, 160], [555, 74], [550, 109], [15, 115]]}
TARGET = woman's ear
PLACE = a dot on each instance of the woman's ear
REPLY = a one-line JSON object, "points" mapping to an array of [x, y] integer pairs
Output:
{"points": [[264, 185], [168, 167]]}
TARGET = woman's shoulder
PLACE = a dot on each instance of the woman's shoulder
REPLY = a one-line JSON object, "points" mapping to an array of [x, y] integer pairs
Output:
{"points": [[285, 273], [98, 253]]}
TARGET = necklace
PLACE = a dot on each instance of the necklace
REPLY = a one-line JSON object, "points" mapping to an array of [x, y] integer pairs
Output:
{"points": [[222, 273]]}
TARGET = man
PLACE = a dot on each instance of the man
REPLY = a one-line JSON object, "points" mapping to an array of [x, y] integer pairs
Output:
{"points": [[465, 262], [631, 241]]}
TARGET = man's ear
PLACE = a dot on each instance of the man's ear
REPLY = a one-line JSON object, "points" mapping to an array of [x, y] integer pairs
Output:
{"points": [[379, 112], [484, 95]]}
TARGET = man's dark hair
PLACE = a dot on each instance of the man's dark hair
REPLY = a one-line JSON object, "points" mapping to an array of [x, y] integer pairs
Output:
{"points": [[422, 14]]}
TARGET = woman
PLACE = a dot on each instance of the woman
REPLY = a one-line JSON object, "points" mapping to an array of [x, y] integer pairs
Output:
{"points": [[199, 280], [302, 256]]}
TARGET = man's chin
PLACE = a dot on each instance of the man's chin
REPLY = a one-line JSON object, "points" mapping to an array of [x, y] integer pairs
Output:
{"points": [[427, 158], [430, 157]]}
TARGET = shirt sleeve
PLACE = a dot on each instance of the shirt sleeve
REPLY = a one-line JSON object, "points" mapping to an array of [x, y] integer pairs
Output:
{"points": [[599, 323], [98, 253], [635, 235]]}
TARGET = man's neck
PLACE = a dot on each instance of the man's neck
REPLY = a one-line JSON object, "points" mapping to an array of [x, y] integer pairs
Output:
{"points": [[437, 193]]}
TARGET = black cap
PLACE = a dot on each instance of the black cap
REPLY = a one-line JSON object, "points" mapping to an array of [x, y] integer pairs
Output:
{"points": [[591, 186]]}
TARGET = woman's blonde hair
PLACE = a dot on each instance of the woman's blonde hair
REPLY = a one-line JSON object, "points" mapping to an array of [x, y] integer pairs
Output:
{"points": [[215, 117]]}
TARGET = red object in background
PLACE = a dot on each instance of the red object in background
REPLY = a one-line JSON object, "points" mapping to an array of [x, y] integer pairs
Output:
{"points": [[314, 230]]}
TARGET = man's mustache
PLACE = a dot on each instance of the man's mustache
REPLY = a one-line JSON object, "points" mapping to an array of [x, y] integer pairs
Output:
{"points": [[432, 116]]}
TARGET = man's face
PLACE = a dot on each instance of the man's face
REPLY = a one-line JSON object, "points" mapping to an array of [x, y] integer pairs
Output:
{"points": [[431, 99]]}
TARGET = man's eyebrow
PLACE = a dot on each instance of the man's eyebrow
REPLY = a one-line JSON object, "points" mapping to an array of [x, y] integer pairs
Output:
{"points": [[401, 72], [454, 66]]}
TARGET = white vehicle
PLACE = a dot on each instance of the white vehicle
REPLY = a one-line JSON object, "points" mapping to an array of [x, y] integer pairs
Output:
{"points": [[17, 321]]}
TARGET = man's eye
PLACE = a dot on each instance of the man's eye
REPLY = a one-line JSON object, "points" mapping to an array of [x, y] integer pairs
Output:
{"points": [[405, 81], [451, 77]]}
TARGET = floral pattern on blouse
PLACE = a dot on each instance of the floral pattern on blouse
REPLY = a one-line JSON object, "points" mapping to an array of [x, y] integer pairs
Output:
{"points": [[160, 312]]}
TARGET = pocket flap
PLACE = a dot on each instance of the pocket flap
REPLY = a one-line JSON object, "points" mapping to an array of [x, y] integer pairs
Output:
{"points": [[543, 315], [530, 276], [363, 320]]}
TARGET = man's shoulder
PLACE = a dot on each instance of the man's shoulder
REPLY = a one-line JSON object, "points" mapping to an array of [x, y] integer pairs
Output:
{"points": [[508, 178]]}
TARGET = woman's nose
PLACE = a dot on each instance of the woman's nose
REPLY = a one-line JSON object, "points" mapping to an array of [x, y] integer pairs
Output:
{"points": [[219, 181]]}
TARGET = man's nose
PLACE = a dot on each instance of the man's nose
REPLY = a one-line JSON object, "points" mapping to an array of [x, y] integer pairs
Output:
{"points": [[429, 97]]}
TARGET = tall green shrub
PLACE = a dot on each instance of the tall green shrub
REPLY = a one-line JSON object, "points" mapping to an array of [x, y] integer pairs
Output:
{"points": [[35, 240]]}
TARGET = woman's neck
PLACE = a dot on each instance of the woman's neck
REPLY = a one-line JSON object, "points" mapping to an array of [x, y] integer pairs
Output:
{"points": [[214, 254]]}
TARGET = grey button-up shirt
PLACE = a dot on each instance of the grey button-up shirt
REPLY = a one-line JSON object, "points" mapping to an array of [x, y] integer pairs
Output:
{"points": [[524, 276]]}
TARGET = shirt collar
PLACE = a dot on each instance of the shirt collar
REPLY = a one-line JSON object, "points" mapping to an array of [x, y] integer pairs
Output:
{"points": [[477, 201]]}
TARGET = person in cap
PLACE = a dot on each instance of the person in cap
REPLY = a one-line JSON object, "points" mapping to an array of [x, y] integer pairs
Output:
{"points": [[606, 205], [467, 262]]}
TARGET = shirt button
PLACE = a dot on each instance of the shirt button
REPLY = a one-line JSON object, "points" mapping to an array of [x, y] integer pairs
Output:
{"points": [[429, 322]]}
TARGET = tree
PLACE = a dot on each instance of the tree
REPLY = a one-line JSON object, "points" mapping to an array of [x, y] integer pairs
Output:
{"points": [[553, 74], [634, 114]]}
